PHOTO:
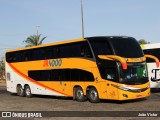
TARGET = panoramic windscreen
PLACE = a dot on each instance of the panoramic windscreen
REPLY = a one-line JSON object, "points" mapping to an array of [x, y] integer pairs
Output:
{"points": [[135, 74], [126, 47]]}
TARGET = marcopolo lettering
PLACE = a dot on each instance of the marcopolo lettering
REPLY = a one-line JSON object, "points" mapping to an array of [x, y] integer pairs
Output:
{"points": [[52, 63]]}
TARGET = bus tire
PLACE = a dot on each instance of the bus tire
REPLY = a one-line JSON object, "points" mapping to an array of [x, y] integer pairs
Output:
{"points": [[28, 91], [20, 91], [79, 95], [93, 95]]}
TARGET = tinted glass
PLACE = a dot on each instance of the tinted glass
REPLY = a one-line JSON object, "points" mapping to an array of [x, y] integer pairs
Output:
{"points": [[78, 49], [37, 54], [65, 51], [154, 52], [75, 75], [126, 47], [61, 75], [101, 47], [51, 52], [108, 73]]}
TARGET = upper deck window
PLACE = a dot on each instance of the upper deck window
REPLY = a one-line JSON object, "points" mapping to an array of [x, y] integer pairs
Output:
{"points": [[101, 47], [122, 46], [126, 47], [77, 49]]}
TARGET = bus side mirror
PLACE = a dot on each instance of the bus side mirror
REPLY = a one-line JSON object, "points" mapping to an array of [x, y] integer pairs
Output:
{"points": [[115, 57]]}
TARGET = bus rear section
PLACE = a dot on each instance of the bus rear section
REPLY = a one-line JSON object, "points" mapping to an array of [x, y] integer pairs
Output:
{"points": [[153, 71]]}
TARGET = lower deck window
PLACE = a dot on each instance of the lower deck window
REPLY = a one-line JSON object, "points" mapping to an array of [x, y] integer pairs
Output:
{"points": [[61, 75]]}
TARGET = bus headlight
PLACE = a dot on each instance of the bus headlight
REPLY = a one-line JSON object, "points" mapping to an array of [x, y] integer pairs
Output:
{"points": [[121, 88]]}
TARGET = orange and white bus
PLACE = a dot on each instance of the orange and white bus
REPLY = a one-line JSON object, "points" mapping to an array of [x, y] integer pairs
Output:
{"points": [[94, 68]]}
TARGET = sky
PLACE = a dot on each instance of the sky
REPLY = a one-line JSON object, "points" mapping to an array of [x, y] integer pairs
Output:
{"points": [[61, 20]]}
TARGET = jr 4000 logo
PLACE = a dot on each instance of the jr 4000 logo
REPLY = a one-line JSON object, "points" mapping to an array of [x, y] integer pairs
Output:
{"points": [[52, 63]]}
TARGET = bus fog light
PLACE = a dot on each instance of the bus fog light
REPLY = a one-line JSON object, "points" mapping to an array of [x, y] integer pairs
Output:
{"points": [[125, 95]]}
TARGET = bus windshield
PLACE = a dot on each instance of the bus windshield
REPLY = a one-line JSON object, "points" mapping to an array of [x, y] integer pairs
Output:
{"points": [[126, 47], [135, 74]]}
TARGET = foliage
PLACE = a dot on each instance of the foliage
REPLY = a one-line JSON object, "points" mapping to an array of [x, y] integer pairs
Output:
{"points": [[34, 40], [142, 41], [2, 69]]}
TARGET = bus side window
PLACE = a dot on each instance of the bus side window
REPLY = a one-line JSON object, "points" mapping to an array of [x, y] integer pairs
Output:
{"points": [[76, 50], [57, 50], [74, 75], [85, 51], [51, 53], [108, 74], [85, 75], [65, 51], [9, 57], [81, 75], [25, 56]]}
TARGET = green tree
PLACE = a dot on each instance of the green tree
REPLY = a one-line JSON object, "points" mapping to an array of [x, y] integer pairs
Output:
{"points": [[34, 40], [142, 41], [2, 69]]}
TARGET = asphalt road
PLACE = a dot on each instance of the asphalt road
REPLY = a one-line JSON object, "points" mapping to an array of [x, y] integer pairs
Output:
{"points": [[11, 102]]}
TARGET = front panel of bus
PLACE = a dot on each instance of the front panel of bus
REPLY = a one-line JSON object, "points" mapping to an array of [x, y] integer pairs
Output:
{"points": [[116, 82]]}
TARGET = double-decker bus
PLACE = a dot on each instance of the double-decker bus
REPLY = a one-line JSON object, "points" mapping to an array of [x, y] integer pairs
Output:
{"points": [[94, 68], [153, 71]]}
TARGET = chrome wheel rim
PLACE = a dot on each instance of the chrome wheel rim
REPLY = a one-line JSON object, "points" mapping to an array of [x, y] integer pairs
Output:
{"points": [[20, 91], [79, 94], [28, 92], [93, 95]]}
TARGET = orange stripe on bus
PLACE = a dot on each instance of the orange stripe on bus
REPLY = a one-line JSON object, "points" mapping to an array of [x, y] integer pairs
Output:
{"points": [[33, 81]]}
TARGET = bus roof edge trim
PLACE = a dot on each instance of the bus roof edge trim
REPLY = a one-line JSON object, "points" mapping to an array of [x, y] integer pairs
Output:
{"points": [[48, 44]]}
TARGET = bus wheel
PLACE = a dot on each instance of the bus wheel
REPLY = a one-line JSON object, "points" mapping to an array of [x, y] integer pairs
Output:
{"points": [[28, 92], [79, 95], [93, 95], [20, 91]]}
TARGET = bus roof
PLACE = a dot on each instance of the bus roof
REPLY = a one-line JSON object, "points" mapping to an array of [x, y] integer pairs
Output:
{"points": [[64, 42], [49, 44], [109, 37], [150, 46]]}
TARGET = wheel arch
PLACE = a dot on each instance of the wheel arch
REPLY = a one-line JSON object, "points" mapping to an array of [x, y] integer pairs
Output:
{"points": [[90, 86], [96, 97], [18, 85], [84, 91], [25, 85]]}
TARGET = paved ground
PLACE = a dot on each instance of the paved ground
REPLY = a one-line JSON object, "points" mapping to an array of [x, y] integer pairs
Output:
{"points": [[10, 102]]}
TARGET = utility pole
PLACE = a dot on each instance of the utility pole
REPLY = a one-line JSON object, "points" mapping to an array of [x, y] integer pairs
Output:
{"points": [[82, 18]]}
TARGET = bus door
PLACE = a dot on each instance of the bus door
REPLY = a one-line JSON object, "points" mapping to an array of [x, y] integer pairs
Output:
{"points": [[109, 91], [112, 91]]}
